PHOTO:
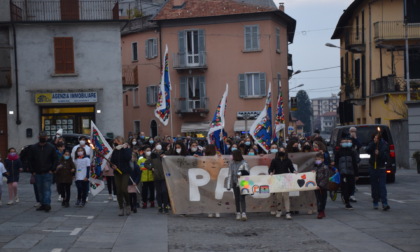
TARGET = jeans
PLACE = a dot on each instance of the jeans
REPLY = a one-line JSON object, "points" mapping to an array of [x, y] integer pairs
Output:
{"points": [[347, 184], [121, 182], [82, 190], [161, 193], [43, 183], [64, 189], [239, 199], [378, 185], [321, 199]]}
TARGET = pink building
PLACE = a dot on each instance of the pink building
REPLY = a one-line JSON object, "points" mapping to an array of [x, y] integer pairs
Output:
{"points": [[210, 43]]}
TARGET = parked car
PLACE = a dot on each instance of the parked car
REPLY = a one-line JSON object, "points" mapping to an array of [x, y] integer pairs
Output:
{"points": [[365, 134]]}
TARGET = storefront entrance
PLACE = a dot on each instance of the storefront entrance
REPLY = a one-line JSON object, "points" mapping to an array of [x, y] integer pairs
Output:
{"points": [[70, 119]]}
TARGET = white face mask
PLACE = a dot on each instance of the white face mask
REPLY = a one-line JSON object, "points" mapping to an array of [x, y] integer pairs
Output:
{"points": [[80, 153], [193, 149], [178, 151], [134, 143], [148, 153], [82, 142], [158, 147]]}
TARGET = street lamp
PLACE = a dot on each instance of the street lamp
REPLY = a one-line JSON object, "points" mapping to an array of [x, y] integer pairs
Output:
{"points": [[332, 45], [298, 86]]}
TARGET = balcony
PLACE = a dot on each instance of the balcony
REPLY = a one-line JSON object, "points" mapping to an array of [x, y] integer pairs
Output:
{"points": [[130, 75], [184, 61], [5, 77], [393, 84], [192, 106], [354, 40], [63, 10], [395, 30]]}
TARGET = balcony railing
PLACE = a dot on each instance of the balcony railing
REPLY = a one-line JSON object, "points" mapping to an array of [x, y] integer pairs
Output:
{"points": [[354, 39], [186, 61], [64, 10], [5, 77], [395, 30], [392, 84], [186, 105], [130, 75]]}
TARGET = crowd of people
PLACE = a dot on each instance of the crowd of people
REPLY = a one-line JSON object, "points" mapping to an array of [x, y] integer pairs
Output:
{"points": [[135, 167]]}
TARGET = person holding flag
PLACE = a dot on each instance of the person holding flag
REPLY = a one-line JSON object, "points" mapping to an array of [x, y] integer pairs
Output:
{"points": [[216, 133], [163, 105]]}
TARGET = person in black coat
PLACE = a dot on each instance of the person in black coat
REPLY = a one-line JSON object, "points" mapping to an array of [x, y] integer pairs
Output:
{"points": [[279, 165]]}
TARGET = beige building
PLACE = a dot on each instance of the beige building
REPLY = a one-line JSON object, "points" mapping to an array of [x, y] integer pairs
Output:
{"points": [[322, 105], [373, 71], [211, 43]]}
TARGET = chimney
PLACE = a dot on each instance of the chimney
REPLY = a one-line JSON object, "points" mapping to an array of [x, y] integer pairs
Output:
{"points": [[281, 7]]}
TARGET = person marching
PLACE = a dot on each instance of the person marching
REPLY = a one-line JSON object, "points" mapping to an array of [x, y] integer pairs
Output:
{"points": [[64, 177], [133, 182], [236, 166], [82, 164], [13, 167], [147, 180], [322, 178]]}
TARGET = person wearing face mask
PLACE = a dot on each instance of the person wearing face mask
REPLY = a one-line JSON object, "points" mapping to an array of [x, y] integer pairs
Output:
{"points": [[83, 142], [274, 149], [346, 160], [14, 167], [121, 158], [251, 152], [64, 177], [42, 161], [179, 150], [194, 150], [234, 147], [292, 146], [279, 165], [323, 174], [82, 164], [147, 179]]}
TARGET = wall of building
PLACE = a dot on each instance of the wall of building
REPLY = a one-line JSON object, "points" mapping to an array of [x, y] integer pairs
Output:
{"points": [[97, 65]]}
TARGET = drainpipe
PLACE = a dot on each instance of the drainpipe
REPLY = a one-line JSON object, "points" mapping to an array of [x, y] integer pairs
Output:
{"points": [[18, 121], [370, 59]]}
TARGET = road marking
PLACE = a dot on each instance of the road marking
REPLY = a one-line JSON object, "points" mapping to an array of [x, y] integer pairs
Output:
{"points": [[75, 231], [72, 232], [89, 217], [56, 250], [398, 201]]}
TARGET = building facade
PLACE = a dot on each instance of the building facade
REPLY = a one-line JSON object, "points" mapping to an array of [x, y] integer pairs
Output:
{"points": [[321, 106], [62, 64], [211, 43], [374, 68]]}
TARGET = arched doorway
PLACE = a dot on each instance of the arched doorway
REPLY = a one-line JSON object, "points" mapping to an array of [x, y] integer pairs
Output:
{"points": [[153, 128]]}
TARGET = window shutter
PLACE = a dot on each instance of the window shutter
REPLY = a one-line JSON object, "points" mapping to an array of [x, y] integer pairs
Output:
{"points": [[278, 39], [242, 89], [154, 48], [64, 55], [183, 99], [201, 46], [202, 81], [247, 36], [255, 37], [147, 49], [149, 94], [262, 84], [181, 48]]}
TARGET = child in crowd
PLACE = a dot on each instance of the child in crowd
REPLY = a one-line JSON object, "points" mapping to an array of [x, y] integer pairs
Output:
{"points": [[147, 180], [82, 163], [322, 178], [133, 182], [236, 166], [14, 167], [64, 177]]}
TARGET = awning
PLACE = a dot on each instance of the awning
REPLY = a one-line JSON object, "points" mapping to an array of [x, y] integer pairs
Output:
{"points": [[240, 125], [195, 127]]}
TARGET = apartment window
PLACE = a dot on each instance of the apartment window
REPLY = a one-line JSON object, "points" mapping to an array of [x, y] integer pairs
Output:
{"points": [[278, 40], [135, 97], [413, 10], [252, 37], [152, 95], [63, 55], [191, 48], [193, 93], [357, 73], [151, 48], [126, 100], [136, 126], [252, 85], [414, 63], [134, 53]]}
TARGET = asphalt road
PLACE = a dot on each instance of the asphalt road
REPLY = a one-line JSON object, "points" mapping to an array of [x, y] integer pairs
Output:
{"points": [[98, 228]]}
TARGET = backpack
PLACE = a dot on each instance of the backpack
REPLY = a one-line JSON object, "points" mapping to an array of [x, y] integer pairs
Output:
{"points": [[345, 165]]}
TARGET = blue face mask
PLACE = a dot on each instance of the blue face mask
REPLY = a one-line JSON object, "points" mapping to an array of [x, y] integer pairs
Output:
{"points": [[151, 141], [233, 148], [318, 162], [251, 154], [274, 150], [66, 157], [248, 143]]}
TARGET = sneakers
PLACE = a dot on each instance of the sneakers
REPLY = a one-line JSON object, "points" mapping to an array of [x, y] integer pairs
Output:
{"points": [[59, 198], [121, 213], [278, 214], [110, 197], [243, 217], [217, 215], [10, 202], [238, 216], [114, 198], [375, 206], [386, 208], [273, 212], [348, 207], [82, 204], [37, 204], [127, 210], [17, 199], [41, 208], [47, 208], [353, 199], [77, 203], [288, 216], [320, 215], [210, 215]]}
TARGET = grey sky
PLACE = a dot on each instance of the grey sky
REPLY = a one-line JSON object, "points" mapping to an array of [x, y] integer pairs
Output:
{"points": [[316, 21]]}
